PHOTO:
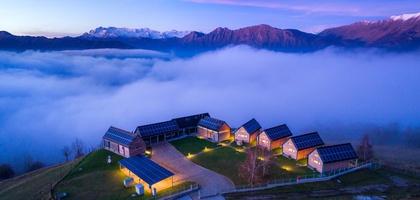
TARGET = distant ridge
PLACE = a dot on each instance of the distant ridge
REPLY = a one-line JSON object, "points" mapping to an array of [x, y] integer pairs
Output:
{"points": [[397, 33]]}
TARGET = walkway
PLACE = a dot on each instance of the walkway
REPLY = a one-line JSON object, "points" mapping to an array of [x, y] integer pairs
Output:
{"points": [[185, 170]]}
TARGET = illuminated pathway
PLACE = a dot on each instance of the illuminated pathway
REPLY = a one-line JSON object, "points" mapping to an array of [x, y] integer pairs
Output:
{"points": [[185, 170]]}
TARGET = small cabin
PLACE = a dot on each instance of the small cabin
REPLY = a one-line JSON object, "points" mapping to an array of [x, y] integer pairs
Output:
{"points": [[332, 158], [298, 147], [213, 129], [159, 132], [273, 138], [248, 132], [123, 142], [188, 124]]}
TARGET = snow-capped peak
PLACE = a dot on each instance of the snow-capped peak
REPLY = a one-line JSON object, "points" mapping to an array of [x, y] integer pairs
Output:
{"points": [[405, 17], [113, 32]]}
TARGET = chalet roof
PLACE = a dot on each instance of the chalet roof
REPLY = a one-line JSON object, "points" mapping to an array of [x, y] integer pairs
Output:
{"points": [[278, 132], [157, 128], [251, 126], [211, 123], [146, 169], [190, 121], [336, 153], [307, 140], [119, 136]]}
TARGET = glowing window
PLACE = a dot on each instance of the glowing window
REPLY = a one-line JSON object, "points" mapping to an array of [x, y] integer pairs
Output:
{"points": [[264, 141], [290, 143], [316, 155]]}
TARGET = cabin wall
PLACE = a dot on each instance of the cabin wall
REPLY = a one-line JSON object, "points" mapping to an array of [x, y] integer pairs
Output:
{"points": [[315, 162], [224, 133], [138, 146], [242, 134], [335, 166], [289, 149], [304, 153], [254, 135], [263, 140], [278, 143]]}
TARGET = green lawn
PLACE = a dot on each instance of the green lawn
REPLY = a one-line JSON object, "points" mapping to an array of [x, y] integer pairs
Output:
{"points": [[359, 178], [192, 145], [94, 178], [278, 151], [35, 185], [289, 169], [224, 161]]}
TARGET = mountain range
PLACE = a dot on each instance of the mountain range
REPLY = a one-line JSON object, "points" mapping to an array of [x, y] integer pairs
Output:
{"points": [[397, 33]]}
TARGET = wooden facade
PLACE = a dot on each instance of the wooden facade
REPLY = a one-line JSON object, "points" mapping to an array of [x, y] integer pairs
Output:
{"points": [[273, 138], [188, 124], [326, 162], [123, 142], [159, 132], [265, 141], [298, 147], [248, 132], [213, 129]]}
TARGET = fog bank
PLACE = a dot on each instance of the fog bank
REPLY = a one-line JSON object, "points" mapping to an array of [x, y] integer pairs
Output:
{"points": [[48, 99]]}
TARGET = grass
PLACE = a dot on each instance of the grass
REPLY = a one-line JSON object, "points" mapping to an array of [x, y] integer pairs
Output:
{"points": [[35, 185], [224, 160], [94, 178], [192, 145], [278, 151], [359, 178]]}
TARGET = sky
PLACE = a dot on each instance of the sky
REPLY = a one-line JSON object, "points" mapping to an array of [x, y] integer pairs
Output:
{"points": [[54, 18]]}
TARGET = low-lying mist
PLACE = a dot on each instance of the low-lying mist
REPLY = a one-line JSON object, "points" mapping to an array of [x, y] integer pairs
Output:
{"points": [[49, 99]]}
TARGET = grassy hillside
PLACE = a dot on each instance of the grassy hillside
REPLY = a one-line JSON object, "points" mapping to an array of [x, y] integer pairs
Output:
{"points": [[34, 185], [94, 178]]}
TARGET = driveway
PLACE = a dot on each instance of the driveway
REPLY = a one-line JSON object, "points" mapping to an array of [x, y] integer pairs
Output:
{"points": [[185, 170]]}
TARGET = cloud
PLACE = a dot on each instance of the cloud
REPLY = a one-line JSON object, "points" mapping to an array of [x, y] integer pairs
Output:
{"points": [[297, 6], [48, 99]]}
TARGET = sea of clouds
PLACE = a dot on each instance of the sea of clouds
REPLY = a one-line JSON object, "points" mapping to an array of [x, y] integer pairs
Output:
{"points": [[47, 99]]}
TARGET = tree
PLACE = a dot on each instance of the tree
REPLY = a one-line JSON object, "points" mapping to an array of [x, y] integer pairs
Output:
{"points": [[6, 171], [78, 148], [66, 152], [36, 165], [267, 157], [364, 150], [250, 169], [27, 162]]}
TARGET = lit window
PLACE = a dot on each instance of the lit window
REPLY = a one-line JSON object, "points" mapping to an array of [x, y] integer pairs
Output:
{"points": [[289, 149], [290, 143], [264, 141], [316, 155]]}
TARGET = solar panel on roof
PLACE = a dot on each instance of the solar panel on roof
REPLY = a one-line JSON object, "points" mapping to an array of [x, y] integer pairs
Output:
{"points": [[158, 128], [211, 123], [119, 136], [146, 169], [278, 132], [251, 126], [307, 140], [337, 153]]}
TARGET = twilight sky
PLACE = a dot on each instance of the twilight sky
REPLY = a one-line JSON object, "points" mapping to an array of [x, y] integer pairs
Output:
{"points": [[54, 18]]}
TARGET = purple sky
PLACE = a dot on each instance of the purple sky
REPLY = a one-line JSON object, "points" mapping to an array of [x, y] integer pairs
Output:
{"points": [[58, 18]]}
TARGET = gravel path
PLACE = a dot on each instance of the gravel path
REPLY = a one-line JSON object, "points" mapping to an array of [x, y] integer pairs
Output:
{"points": [[185, 170]]}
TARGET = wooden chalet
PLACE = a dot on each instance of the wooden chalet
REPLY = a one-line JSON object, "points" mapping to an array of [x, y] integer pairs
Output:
{"points": [[298, 147], [159, 132], [248, 132], [332, 158], [213, 129], [188, 124], [122, 142], [273, 138]]}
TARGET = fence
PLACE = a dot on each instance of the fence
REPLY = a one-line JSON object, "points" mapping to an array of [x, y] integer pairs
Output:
{"points": [[177, 192], [290, 181]]}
